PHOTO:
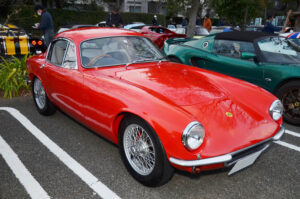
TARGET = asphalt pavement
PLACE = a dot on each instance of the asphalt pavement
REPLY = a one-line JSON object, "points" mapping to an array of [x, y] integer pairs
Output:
{"points": [[56, 157]]}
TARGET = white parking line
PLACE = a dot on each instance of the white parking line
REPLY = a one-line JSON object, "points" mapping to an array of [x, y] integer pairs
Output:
{"points": [[32, 187], [292, 133], [101, 189], [288, 145]]}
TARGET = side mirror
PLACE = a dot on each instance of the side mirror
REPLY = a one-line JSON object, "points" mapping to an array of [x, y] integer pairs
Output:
{"points": [[246, 55]]}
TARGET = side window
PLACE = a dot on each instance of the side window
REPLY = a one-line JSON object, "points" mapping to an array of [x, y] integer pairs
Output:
{"points": [[70, 58], [57, 52], [232, 48]]}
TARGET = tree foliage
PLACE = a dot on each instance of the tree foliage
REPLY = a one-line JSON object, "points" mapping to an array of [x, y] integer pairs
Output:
{"points": [[5, 7], [238, 12], [176, 6]]}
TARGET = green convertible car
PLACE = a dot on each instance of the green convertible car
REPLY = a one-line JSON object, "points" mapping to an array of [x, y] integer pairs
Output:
{"points": [[269, 61]]}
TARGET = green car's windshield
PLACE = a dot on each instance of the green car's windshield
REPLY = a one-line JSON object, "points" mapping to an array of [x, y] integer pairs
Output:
{"points": [[279, 50], [119, 50]]}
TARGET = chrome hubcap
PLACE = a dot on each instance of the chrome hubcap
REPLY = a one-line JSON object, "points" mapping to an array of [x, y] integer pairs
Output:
{"points": [[39, 93], [139, 149]]}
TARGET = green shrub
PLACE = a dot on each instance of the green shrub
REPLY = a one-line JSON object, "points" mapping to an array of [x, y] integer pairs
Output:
{"points": [[61, 17], [13, 76]]}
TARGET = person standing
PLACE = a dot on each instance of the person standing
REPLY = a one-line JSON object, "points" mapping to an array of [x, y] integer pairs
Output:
{"points": [[269, 27], [198, 21], [207, 23], [46, 24], [154, 21], [114, 19]]}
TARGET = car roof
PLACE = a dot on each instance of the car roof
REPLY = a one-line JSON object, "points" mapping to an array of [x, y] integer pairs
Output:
{"points": [[242, 35], [82, 34]]}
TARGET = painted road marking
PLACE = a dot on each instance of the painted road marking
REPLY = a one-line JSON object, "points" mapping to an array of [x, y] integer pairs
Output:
{"points": [[292, 133], [32, 187], [101, 189], [288, 145]]}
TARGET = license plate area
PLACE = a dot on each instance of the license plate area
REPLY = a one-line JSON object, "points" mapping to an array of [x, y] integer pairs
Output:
{"points": [[244, 162]]}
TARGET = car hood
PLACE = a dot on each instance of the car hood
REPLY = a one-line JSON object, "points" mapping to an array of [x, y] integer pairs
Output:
{"points": [[184, 85], [233, 112]]}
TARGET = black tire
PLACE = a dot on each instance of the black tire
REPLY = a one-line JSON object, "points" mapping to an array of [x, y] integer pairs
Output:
{"points": [[174, 59], [161, 171], [289, 95], [43, 105]]}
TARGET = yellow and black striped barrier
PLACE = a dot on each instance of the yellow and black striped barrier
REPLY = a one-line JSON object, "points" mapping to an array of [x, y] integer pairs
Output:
{"points": [[10, 45], [20, 45]]}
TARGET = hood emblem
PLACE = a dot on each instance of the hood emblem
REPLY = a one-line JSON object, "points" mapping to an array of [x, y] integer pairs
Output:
{"points": [[228, 114]]}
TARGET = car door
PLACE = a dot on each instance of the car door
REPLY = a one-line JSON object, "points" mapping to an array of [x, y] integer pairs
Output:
{"points": [[65, 80], [226, 58]]}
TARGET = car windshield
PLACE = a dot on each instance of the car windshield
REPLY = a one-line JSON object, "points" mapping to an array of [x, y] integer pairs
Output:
{"points": [[279, 50], [120, 50]]}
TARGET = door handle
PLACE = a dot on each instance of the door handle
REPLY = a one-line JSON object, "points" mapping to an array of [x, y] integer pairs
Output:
{"points": [[42, 66], [268, 79]]}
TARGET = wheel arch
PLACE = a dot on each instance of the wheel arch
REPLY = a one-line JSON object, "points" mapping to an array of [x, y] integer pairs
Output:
{"points": [[122, 116], [284, 82]]}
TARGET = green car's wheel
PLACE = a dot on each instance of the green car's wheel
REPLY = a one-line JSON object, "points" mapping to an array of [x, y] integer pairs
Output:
{"points": [[142, 153], [43, 104], [289, 94], [174, 59]]}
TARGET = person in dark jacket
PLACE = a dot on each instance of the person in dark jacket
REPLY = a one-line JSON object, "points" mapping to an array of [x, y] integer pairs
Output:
{"points": [[154, 21], [46, 24], [269, 27], [114, 19]]}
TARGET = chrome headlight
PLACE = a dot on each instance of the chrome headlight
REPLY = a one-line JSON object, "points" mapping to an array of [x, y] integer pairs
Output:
{"points": [[193, 135], [276, 110]]}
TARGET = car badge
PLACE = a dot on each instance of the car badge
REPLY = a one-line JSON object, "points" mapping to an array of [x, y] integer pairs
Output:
{"points": [[228, 114]]}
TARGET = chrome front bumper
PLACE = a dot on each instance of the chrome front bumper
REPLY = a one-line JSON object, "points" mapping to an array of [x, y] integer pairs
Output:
{"points": [[230, 158]]}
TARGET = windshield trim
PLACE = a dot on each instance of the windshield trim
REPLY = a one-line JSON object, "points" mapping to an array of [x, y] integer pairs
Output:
{"points": [[162, 56]]}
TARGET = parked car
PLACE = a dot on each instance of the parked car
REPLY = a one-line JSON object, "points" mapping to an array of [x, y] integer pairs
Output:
{"points": [[266, 60], [75, 26], [294, 37], [136, 26], [219, 29], [15, 41], [162, 115], [254, 28], [159, 34]]}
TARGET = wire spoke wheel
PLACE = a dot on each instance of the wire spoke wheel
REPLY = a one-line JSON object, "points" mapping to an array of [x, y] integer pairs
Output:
{"points": [[39, 94], [139, 149]]}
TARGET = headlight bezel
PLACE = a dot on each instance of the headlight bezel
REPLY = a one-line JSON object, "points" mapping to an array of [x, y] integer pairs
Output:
{"points": [[276, 110], [186, 135]]}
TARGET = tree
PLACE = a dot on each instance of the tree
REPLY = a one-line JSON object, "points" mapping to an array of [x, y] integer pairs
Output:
{"points": [[193, 14], [176, 6], [5, 7], [239, 12]]}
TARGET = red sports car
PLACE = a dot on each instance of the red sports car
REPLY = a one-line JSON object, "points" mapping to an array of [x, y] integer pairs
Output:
{"points": [[162, 115], [159, 34]]}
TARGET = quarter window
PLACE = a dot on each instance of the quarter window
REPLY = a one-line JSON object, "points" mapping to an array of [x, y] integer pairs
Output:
{"points": [[57, 52], [70, 58], [232, 48]]}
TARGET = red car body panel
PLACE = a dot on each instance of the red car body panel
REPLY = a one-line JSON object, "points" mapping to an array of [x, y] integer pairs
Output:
{"points": [[168, 96], [159, 37]]}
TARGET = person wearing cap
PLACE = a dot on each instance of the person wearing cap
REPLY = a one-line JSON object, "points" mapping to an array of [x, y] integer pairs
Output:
{"points": [[154, 21], [207, 23], [46, 24], [114, 19]]}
